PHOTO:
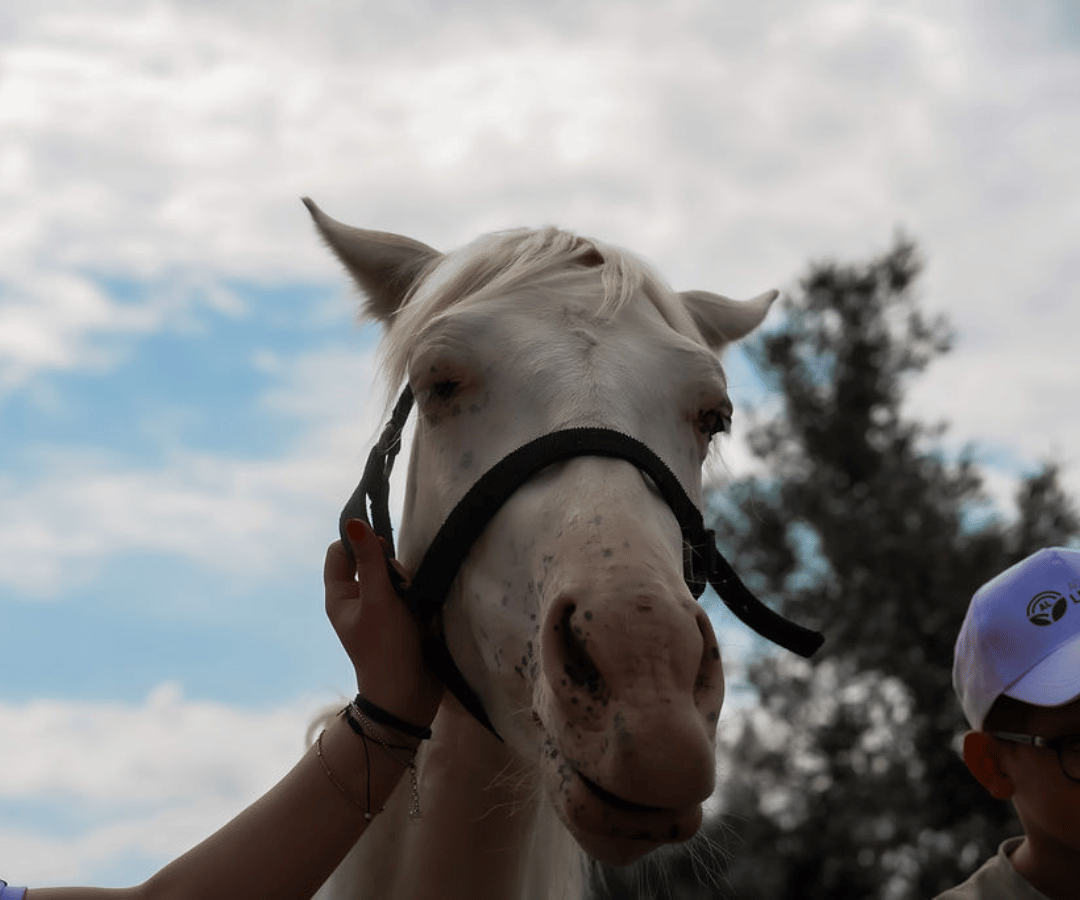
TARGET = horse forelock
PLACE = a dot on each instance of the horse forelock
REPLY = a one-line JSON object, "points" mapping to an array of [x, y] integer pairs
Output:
{"points": [[502, 262]]}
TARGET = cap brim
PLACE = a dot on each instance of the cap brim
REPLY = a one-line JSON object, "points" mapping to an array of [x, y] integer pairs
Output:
{"points": [[1053, 682]]}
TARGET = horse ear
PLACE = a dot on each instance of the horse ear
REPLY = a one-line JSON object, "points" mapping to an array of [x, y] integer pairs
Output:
{"points": [[723, 321], [384, 265]]}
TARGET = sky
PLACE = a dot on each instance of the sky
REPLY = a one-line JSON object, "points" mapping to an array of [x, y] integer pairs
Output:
{"points": [[186, 395]]}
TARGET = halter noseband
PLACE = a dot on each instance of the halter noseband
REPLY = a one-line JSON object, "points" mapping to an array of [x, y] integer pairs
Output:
{"points": [[426, 593]]}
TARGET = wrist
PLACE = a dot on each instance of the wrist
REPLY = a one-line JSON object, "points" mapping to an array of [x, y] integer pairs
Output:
{"points": [[404, 700], [372, 714], [401, 752], [362, 727], [363, 769]]}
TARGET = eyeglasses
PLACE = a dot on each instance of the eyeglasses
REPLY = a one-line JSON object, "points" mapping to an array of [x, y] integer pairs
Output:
{"points": [[1067, 748]]}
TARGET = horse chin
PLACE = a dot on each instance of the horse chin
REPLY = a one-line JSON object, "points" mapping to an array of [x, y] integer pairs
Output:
{"points": [[611, 829], [616, 851], [629, 841]]}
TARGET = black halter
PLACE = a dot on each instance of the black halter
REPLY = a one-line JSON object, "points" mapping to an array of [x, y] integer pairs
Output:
{"points": [[426, 592]]}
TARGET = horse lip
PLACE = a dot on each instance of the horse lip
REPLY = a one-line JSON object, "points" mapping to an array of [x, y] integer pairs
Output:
{"points": [[616, 801]]}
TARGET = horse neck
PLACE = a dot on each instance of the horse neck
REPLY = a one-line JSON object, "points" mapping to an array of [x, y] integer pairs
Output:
{"points": [[484, 830]]}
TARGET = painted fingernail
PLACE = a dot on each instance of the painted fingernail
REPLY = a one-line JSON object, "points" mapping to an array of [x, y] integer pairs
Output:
{"points": [[356, 531]]}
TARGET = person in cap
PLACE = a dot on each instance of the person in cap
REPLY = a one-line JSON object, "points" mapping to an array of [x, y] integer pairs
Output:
{"points": [[1017, 673]]}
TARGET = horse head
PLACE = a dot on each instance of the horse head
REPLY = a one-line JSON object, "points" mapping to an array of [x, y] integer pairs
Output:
{"points": [[570, 615]]}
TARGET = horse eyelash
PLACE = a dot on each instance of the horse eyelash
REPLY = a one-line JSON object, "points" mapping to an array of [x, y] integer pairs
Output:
{"points": [[713, 422]]}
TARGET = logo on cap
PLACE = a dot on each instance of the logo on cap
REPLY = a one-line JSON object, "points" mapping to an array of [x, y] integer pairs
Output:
{"points": [[1046, 608]]}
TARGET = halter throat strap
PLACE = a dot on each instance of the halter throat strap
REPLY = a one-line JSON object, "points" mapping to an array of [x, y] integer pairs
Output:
{"points": [[426, 593]]}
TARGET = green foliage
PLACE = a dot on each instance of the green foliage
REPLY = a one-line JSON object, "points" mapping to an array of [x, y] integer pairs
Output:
{"points": [[844, 780]]}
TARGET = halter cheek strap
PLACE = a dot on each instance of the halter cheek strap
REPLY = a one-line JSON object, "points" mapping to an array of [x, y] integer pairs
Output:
{"points": [[426, 593], [374, 487], [374, 490]]}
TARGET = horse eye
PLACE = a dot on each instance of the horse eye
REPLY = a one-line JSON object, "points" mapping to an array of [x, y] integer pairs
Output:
{"points": [[713, 421], [444, 390]]}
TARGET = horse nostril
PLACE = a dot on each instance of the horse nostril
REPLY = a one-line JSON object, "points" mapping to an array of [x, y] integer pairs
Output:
{"points": [[577, 664]]}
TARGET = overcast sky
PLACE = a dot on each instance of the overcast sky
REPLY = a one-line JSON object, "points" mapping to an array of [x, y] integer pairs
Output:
{"points": [[185, 397]]}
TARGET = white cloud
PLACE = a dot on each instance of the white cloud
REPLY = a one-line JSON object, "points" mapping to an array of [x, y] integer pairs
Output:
{"points": [[236, 515], [49, 320], [814, 129], [168, 143], [144, 781]]}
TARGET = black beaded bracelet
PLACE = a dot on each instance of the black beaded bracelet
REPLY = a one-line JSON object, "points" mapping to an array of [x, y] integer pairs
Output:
{"points": [[382, 717]]}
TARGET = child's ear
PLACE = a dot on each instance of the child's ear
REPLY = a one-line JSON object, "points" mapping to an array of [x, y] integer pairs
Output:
{"points": [[982, 756]]}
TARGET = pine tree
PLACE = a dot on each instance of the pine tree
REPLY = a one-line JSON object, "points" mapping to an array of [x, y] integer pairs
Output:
{"points": [[846, 781]]}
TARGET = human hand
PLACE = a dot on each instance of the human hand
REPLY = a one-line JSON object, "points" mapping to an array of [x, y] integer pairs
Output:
{"points": [[381, 636]]}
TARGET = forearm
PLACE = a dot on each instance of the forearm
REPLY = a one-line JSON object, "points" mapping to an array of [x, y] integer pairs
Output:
{"points": [[284, 845]]}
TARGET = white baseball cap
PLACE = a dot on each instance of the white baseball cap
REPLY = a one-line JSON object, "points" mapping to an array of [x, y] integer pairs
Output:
{"points": [[1021, 636]]}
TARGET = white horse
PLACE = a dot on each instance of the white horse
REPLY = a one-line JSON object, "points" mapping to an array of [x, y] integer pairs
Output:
{"points": [[570, 616]]}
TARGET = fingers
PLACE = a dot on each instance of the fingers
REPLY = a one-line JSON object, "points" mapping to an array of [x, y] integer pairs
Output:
{"points": [[345, 582], [339, 576], [376, 629], [370, 559]]}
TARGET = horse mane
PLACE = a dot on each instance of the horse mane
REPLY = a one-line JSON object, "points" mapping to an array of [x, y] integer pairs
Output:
{"points": [[502, 261]]}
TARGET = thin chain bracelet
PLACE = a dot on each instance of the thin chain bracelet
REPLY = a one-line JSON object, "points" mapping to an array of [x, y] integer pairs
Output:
{"points": [[351, 713], [341, 788]]}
